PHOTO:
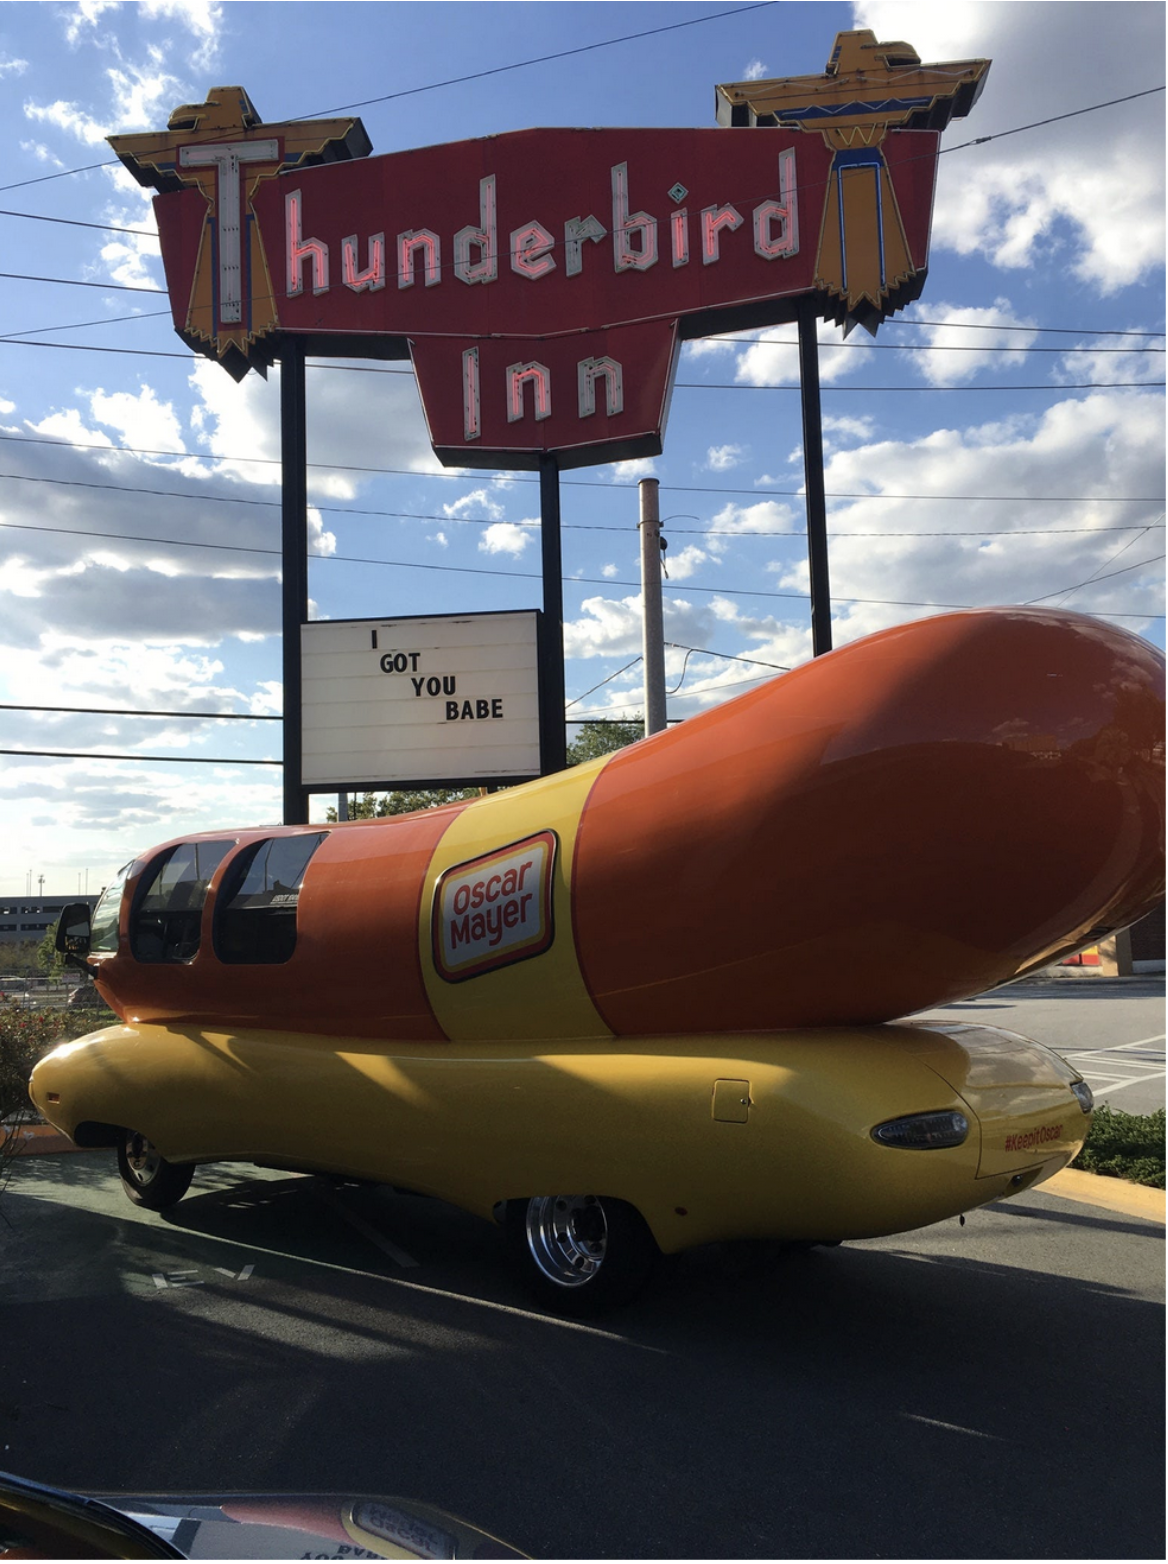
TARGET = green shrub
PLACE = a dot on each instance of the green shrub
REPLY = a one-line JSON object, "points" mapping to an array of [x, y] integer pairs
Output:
{"points": [[1125, 1145]]}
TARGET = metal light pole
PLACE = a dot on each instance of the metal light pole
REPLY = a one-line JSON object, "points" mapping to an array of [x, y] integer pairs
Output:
{"points": [[553, 730], [813, 476], [294, 547], [652, 622]]}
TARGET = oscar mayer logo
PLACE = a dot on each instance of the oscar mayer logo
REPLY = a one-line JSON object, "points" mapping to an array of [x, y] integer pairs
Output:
{"points": [[494, 910]]}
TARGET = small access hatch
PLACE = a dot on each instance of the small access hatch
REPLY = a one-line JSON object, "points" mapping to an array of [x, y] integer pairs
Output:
{"points": [[731, 1102]]}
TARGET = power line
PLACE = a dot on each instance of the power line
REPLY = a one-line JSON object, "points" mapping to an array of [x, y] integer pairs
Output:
{"points": [[187, 760], [679, 385], [542, 59], [407, 92], [525, 575], [493, 477], [572, 483], [737, 341], [117, 711], [490, 521]]}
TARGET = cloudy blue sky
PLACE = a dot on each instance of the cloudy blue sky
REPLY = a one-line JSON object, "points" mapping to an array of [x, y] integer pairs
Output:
{"points": [[1000, 442]]}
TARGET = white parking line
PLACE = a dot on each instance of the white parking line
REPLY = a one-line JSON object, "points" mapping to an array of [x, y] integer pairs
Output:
{"points": [[386, 1245]]}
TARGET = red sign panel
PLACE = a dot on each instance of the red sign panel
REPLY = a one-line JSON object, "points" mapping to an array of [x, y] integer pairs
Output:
{"points": [[540, 281]]}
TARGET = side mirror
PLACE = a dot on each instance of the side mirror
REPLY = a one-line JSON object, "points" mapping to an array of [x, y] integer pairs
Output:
{"points": [[73, 934]]}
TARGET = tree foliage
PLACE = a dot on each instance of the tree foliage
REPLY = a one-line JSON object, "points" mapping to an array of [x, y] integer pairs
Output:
{"points": [[49, 959], [593, 740], [602, 738]]}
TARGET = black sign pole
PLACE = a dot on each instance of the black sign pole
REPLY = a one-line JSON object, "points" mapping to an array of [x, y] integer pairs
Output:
{"points": [[813, 478], [294, 540], [553, 753]]}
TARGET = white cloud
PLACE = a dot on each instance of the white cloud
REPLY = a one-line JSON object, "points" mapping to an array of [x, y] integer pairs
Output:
{"points": [[238, 422], [755, 71], [477, 503], [1086, 194], [202, 18], [686, 561], [506, 537], [1076, 472], [611, 627], [610, 571], [721, 458], [42, 154], [10, 66], [86, 14], [771, 357], [632, 471], [958, 355], [142, 421]]}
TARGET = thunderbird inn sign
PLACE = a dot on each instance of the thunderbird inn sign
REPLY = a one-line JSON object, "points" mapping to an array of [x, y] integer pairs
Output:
{"points": [[541, 282]]}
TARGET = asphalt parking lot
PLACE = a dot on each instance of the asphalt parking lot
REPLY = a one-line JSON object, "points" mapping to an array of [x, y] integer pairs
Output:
{"points": [[992, 1390]]}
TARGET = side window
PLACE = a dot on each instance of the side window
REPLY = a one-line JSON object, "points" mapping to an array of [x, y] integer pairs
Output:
{"points": [[164, 925], [255, 920], [103, 927]]}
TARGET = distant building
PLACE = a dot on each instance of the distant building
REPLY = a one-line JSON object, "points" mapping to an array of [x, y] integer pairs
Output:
{"points": [[27, 917]]}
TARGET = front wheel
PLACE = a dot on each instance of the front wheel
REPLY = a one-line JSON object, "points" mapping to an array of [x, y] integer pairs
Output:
{"points": [[147, 1177], [580, 1253]]}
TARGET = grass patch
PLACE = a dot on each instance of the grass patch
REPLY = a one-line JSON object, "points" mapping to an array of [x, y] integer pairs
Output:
{"points": [[1125, 1145]]}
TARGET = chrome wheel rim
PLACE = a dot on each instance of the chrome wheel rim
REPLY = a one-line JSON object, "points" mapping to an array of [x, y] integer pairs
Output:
{"points": [[567, 1236], [142, 1160]]}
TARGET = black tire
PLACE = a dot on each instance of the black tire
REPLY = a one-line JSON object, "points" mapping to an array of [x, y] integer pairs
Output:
{"points": [[579, 1254], [147, 1177]]}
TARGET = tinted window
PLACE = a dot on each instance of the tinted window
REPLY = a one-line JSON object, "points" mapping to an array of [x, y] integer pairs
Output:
{"points": [[104, 924], [256, 917], [165, 922]]}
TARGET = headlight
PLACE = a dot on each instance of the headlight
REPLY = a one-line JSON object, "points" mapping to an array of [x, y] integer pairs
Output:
{"points": [[923, 1131], [1085, 1095]]}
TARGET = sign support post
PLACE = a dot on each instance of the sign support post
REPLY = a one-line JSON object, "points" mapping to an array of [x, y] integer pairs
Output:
{"points": [[294, 581], [813, 478], [553, 744]]}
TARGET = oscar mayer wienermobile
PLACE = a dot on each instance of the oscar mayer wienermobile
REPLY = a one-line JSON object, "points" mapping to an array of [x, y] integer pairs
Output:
{"points": [[648, 1002]]}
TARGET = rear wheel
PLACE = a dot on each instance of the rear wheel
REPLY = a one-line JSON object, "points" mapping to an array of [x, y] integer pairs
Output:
{"points": [[579, 1254], [147, 1177]]}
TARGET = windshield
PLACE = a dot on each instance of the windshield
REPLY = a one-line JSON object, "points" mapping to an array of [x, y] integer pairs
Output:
{"points": [[104, 927]]}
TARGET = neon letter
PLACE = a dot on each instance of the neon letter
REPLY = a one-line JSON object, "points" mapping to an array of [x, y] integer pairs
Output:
{"points": [[472, 425], [529, 251], [679, 225], [588, 371], [517, 377], [226, 159], [485, 239], [576, 230], [300, 248], [626, 223], [784, 211], [373, 277], [715, 218], [408, 244]]}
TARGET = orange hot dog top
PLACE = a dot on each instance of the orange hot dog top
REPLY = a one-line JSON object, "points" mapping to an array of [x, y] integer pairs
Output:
{"points": [[909, 820]]}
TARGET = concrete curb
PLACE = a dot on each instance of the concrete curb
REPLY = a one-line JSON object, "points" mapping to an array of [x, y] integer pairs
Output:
{"points": [[1113, 1194]]}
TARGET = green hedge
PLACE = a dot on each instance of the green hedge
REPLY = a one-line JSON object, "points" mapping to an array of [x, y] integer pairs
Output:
{"points": [[1125, 1145]]}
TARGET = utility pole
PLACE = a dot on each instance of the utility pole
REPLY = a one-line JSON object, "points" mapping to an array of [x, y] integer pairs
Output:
{"points": [[652, 623]]}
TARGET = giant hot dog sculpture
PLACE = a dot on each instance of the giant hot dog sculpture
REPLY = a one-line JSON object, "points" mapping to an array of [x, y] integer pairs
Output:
{"points": [[912, 819]]}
